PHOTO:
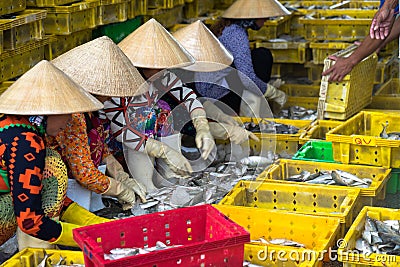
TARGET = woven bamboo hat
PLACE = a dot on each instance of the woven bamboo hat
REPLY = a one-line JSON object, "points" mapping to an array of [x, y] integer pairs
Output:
{"points": [[208, 51], [46, 90], [255, 9], [152, 46], [101, 68]]}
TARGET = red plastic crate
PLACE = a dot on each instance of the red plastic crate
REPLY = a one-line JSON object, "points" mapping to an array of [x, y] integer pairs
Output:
{"points": [[207, 236]]}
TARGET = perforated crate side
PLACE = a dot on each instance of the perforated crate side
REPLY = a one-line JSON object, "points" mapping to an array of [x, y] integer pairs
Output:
{"points": [[11, 6], [137, 8], [287, 52], [320, 51], [64, 43], [109, 12], [271, 29], [48, 3]]}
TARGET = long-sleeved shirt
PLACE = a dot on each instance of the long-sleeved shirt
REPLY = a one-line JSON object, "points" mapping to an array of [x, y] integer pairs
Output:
{"points": [[82, 155], [120, 111], [22, 154]]}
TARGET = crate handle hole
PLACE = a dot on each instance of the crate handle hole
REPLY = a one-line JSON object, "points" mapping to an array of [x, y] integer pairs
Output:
{"points": [[294, 202], [335, 205], [294, 209], [226, 260], [144, 230], [274, 200], [145, 238], [188, 222], [202, 256], [314, 203], [294, 194], [335, 197], [376, 160], [314, 195], [274, 192], [255, 198], [167, 226], [376, 152], [122, 234]]}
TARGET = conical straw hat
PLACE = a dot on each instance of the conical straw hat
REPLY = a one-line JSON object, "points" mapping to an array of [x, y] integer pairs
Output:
{"points": [[46, 90], [254, 9], [101, 68], [208, 51], [152, 46]]}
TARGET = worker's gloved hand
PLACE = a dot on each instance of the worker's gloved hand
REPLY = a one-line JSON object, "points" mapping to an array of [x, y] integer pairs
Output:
{"points": [[66, 237], [76, 214], [174, 159], [133, 184], [124, 194], [204, 139], [235, 134], [214, 113], [272, 93]]}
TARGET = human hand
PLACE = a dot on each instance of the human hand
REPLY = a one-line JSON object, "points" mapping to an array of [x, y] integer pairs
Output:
{"points": [[382, 23], [339, 70]]}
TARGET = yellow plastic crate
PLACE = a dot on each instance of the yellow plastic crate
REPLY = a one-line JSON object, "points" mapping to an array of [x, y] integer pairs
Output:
{"points": [[356, 4], [18, 61], [271, 29], [387, 96], [286, 144], [64, 20], [4, 86], [167, 17], [320, 28], [320, 51], [305, 102], [25, 27], [358, 140], [307, 7], [315, 232], [287, 52], [64, 43], [303, 90], [383, 71], [48, 3], [318, 130], [285, 168], [137, 8], [327, 202], [390, 49], [197, 8], [11, 6], [314, 72], [283, 70], [31, 257], [223, 4], [111, 11], [341, 100], [347, 253]]}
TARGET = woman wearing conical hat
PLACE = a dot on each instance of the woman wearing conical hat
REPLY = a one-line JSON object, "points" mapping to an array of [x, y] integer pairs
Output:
{"points": [[231, 30], [211, 58], [153, 50], [102, 69], [40, 102]]}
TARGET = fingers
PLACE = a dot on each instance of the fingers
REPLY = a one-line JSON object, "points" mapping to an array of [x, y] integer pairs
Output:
{"points": [[208, 145], [253, 137]]}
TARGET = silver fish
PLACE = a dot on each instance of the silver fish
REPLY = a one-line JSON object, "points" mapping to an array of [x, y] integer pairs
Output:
{"points": [[337, 178], [350, 176], [255, 161], [46, 256], [286, 242], [363, 246]]}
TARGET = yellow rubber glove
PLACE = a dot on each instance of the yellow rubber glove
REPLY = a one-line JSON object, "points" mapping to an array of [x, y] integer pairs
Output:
{"points": [[174, 159], [66, 237], [78, 215], [272, 93], [235, 134], [214, 113], [204, 139], [116, 171]]}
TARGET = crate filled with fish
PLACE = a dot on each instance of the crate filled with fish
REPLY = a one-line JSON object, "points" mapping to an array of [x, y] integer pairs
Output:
{"points": [[307, 7], [315, 150], [191, 236], [337, 25], [283, 132], [273, 28], [341, 100], [370, 138], [33, 257], [370, 179], [387, 96], [373, 239], [357, 4], [338, 203], [318, 130], [288, 50], [300, 239]]}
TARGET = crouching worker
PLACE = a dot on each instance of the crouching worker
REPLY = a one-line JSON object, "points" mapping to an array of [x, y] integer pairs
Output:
{"points": [[40, 102]]}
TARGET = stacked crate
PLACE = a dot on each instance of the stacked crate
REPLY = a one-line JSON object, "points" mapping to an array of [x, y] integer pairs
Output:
{"points": [[167, 12], [22, 39]]}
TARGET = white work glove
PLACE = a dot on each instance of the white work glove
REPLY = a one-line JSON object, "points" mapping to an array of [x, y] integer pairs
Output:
{"points": [[235, 134], [204, 139], [124, 194], [214, 113], [272, 93], [174, 159], [116, 171]]}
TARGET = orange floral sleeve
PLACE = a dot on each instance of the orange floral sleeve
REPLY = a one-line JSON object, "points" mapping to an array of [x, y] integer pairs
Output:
{"points": [[74, 144]]}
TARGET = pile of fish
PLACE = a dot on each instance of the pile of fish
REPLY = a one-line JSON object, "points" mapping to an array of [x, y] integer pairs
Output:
{"points": [[335, 177], [381, 237], [279, 242], [297, 5], [266, 126], [62, 262], [391, 135], [297, 113], [119, 253]]}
